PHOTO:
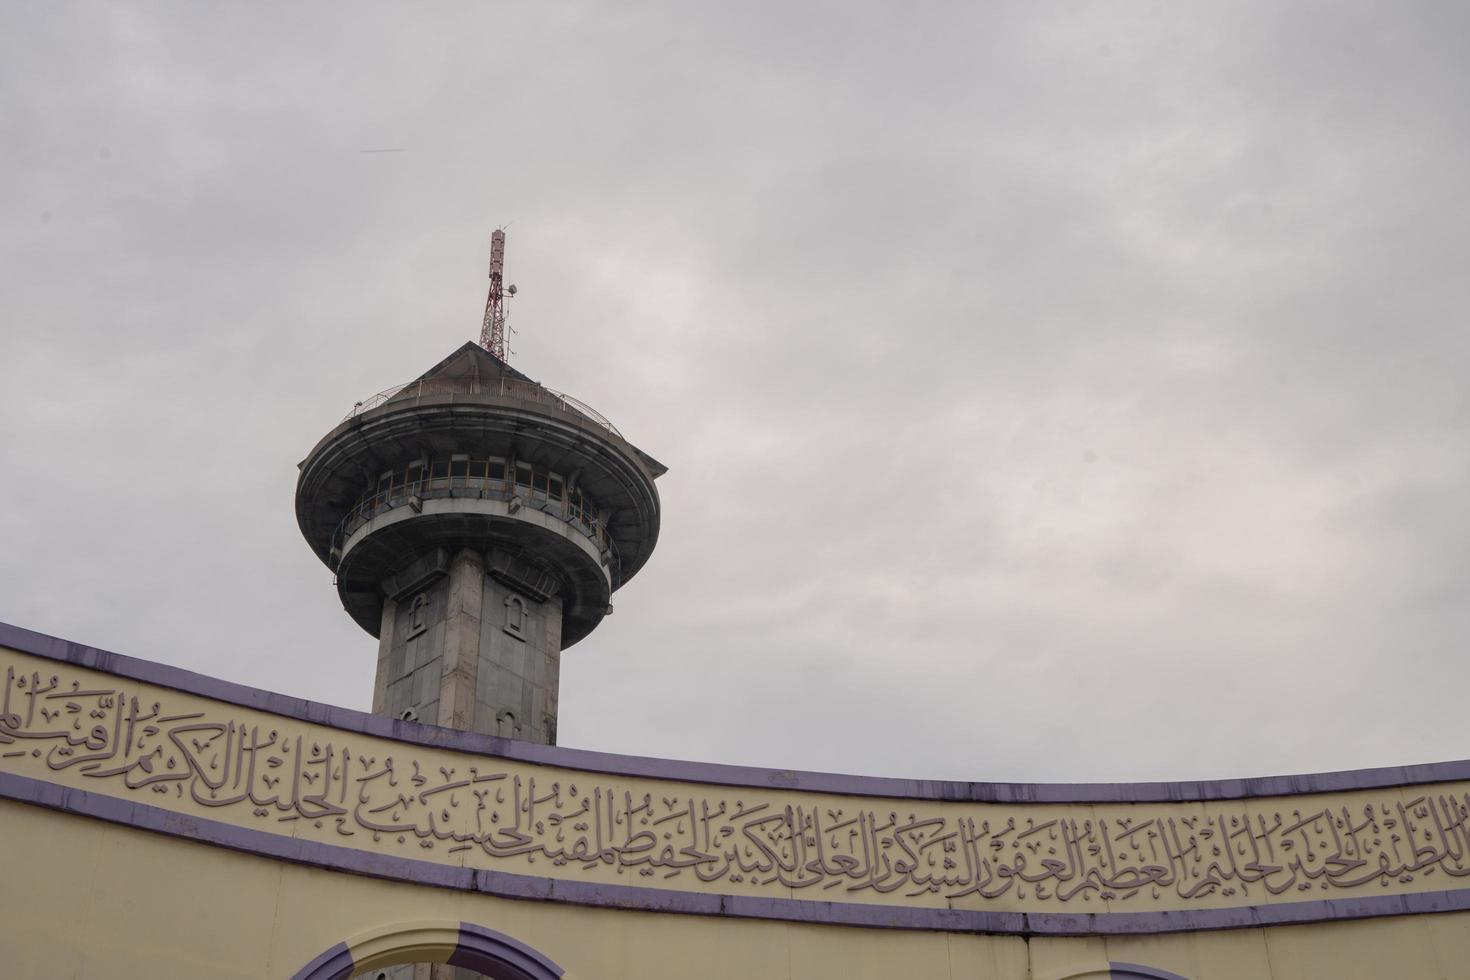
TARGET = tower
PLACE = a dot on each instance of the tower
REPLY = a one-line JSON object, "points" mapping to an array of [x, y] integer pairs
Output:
{"points": [[478, 524], [492, 331]]}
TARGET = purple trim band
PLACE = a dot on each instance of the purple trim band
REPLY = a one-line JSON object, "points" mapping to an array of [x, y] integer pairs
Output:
{"points": [[500, 957], [51, 648], [1135, 971], [140, 816], [334, 964]]}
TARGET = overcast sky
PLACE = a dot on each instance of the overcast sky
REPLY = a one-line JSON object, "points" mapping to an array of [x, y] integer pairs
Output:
{"points": [[1050, 392]]}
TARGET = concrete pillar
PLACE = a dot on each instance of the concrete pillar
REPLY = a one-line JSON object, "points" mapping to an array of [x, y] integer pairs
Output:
{"points": [[464, 649], [385, 649], [449, 650], [472, 644], [462, 631], [520, 661]]}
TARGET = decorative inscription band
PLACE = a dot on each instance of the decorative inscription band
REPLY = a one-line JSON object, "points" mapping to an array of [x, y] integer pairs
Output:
{"points": [[179, 752]]}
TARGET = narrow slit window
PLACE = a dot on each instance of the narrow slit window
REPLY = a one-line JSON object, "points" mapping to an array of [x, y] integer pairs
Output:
{"points": [[515, 616]]}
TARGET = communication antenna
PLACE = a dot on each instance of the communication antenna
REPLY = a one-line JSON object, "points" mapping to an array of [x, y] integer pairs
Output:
{"points": [[492, 334]]}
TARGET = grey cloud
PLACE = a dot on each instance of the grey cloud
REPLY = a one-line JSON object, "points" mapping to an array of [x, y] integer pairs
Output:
{"points": [[1047, 395]]}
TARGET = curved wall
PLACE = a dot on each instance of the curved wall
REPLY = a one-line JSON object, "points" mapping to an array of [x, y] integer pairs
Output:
{"points": [[158, 749]]}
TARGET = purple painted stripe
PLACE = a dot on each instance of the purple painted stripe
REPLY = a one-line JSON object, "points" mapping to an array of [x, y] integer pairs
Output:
{"points": [[1136, 971], [334, 964], [505, 885], [49, 647], [500, 957]]}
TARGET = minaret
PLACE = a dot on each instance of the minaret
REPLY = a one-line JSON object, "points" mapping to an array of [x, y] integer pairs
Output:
{"points": [[478, 524]]}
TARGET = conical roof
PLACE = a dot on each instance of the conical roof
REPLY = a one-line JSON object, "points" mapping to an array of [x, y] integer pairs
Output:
{"points": [[471, 370]]}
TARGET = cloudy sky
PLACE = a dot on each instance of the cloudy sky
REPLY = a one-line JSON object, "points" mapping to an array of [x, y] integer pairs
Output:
{"points": [[1050, 392]]}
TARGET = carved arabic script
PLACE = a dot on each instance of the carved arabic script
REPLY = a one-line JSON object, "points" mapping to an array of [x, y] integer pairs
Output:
{"points": [[246, 767]]}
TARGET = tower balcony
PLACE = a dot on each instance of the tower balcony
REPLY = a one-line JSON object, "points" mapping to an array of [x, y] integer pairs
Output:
{"points": [[465, 479]]}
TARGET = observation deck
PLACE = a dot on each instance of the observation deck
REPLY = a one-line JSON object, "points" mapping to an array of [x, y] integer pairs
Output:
{"points": [[475, 454]]}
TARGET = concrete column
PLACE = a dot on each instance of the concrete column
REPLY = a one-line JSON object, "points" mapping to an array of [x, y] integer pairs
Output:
{"points": [[520, 662], [471, 644], [462, 628], [385, 651], [464, 649]]}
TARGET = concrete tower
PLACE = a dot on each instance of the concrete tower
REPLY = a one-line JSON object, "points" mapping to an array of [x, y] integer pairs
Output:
{"points": [[478, 524]]}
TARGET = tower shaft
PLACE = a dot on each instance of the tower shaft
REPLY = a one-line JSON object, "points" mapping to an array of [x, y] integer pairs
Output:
{"points": [[469, 641]]}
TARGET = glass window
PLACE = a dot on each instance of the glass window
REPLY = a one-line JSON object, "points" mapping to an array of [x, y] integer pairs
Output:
{"points": [[555, 487], [415, 475], [523, 474], [459, 468], [541, 482], [438, 472], [497, 469], [477, 471]]}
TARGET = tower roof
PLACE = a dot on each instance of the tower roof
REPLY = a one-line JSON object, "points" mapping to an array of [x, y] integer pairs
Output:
{"points": [[472, 370], [472, 366]]}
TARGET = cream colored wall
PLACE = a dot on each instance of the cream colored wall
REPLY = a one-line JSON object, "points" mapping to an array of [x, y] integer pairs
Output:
{"points": [[83, 897], [86, 899]]}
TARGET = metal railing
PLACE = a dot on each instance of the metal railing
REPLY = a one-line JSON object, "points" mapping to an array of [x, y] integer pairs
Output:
{"points": [[504, 387], [376, 502]]}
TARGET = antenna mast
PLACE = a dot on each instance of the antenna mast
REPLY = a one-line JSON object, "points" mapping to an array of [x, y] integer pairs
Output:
{"points": [[492, 334]]}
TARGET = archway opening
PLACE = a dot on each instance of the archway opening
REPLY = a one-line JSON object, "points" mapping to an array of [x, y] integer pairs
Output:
{"points": [[401, 951]]}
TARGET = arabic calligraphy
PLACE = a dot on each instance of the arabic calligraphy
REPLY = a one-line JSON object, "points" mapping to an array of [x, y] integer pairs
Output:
{"points": [[361, 791]]}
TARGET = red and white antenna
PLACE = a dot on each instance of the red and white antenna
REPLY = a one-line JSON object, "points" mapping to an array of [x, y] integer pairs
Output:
{"points": [[492, 334]]}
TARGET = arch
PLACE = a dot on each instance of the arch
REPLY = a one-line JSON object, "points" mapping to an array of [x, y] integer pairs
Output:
{"points": [[506, 725], [465, 944], [1136, 971], [1125, 971]]}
